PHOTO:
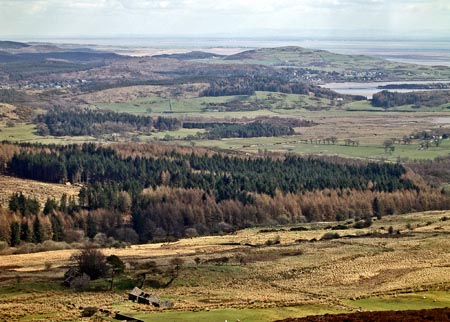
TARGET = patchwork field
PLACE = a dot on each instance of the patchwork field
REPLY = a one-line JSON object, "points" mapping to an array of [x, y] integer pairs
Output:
{"points": [[351, 122], [303, 274]]}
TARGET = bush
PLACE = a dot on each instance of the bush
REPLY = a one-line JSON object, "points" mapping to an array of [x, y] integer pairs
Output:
{"points": [[3, 245], [88, 311], [127, 235], [91, 261], [74, 236], [116, 263], [80, 283], [340, 227], [275, 241], [363, 223], [329, 236], [299, 229]]}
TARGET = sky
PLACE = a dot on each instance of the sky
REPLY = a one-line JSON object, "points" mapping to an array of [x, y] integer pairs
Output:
{"points": [[424, 19]]}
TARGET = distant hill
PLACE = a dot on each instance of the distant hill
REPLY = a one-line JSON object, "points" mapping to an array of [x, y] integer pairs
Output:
{"points": [[71, 56], [190, 55], [338, 67], [301, 57], [12, 45]]}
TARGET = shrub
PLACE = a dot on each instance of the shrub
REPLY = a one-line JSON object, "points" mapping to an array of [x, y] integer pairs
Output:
{"points": [[116, 263], [127, 235], [366, 223], [80, 283], [299, 229], [101, 239], [191, 232], [91, 261], [340, 227], [330, 235], [197, 260], [88, 311], [3, 245], [275, 241]]}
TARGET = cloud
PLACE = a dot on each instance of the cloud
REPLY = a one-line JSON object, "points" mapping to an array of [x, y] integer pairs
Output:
{"points": [[103, 17]]}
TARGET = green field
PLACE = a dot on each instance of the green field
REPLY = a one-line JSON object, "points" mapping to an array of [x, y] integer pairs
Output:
{"points": [[358, 121], [412, 301], [158, 105], [422, 300], [23, 132], [361, 106], [247, 315], [293, 144]]}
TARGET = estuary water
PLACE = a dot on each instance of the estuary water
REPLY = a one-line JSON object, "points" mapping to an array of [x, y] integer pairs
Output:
{"points": [[370, 88]]}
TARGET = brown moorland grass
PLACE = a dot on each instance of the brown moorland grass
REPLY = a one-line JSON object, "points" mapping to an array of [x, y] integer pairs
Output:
{"points": [[30, 188], [301, 270], [437, 315], [130, 93]]}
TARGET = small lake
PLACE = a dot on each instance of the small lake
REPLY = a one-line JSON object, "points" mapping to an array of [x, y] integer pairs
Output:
{"points": [[370, 88]]}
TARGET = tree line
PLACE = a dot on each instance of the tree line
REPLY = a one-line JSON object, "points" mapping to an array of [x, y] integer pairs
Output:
{"points": [[249, 130], [80, 122], [164, 212], [225, 176], [386, 99], [166, 194], [275, 83]]}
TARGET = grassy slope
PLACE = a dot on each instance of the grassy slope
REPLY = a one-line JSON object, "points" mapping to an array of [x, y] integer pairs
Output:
{"points": [[328, 61], [325, 277], [248, 315]]}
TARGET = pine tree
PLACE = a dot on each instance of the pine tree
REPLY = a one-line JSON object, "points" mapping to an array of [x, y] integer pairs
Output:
{"points": [[15, 234], [91, 227], [50, 206], [25, 232], [57, 228], [38, 234]]}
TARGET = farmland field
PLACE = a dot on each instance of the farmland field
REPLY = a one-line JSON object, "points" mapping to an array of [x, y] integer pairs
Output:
{"points": [[357, 121]]}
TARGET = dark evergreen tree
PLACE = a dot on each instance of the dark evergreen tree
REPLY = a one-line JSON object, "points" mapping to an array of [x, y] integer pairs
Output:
{"points": [[15, 234], [25, 232], [57, 228], [91, 227], [38, 234], [50, 206]]}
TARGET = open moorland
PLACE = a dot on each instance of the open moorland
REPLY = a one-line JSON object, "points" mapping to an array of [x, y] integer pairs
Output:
{"points": [[261, 274]]}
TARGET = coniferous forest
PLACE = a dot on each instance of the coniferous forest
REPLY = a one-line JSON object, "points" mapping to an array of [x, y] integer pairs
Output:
{"points": [[139, 192]]}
